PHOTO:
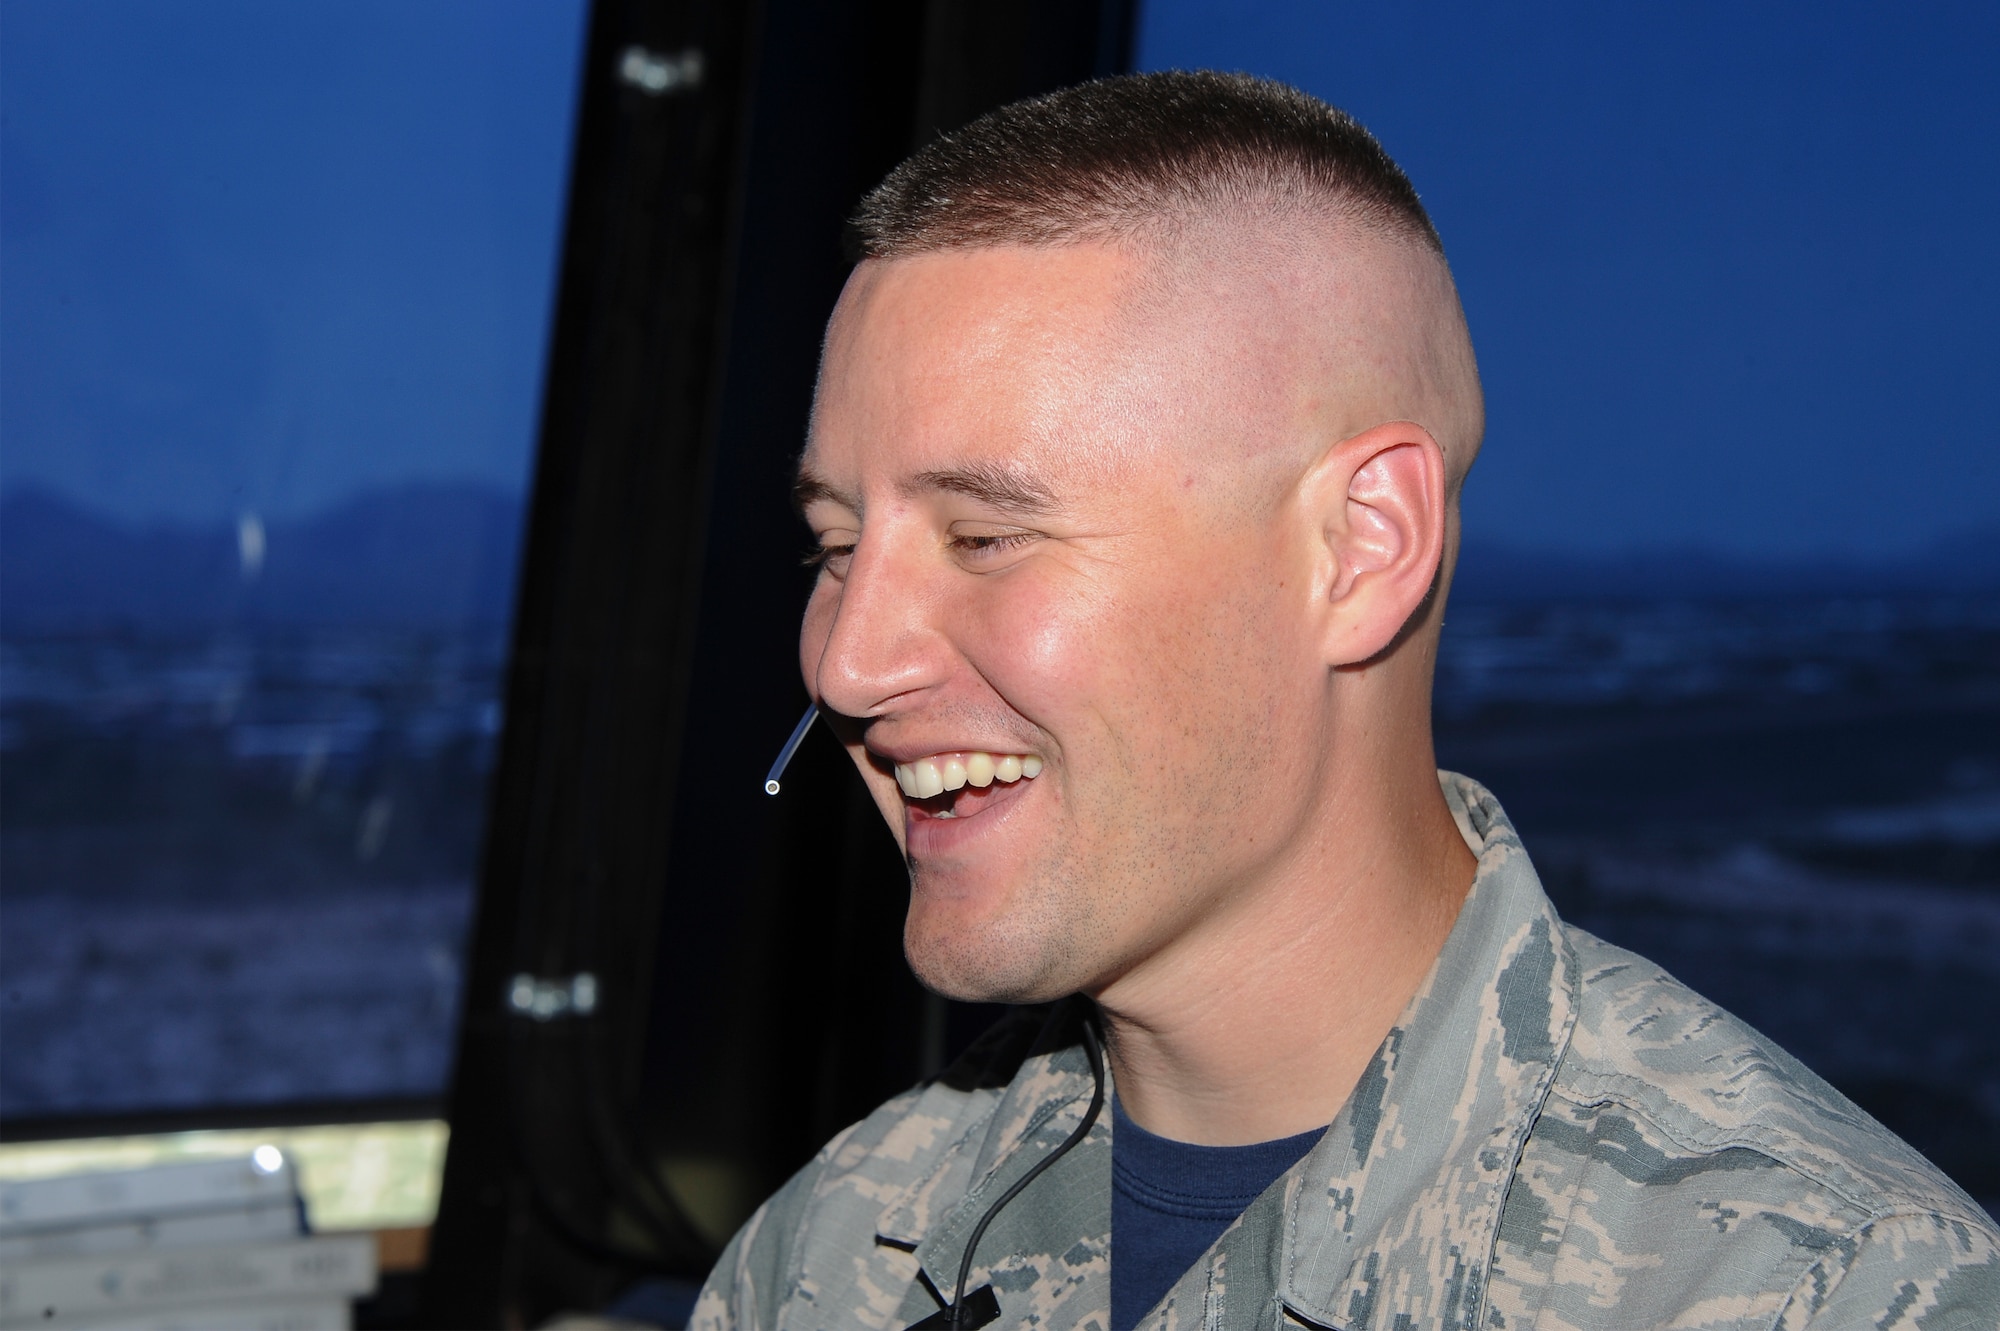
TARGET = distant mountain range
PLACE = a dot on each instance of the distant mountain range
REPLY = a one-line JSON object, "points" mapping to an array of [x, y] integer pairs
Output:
{"points": [[417, 556], [1964, 564], [446, 554]]}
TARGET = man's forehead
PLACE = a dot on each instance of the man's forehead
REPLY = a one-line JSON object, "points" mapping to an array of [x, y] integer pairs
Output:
{"points": [[928, 324], [988, 281], [984, 373]]}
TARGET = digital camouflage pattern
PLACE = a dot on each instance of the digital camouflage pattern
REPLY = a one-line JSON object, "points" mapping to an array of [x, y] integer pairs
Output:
{"points": [[1556, 1134]]}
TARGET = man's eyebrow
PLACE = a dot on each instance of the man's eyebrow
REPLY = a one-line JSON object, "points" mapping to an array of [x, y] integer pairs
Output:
{"points": [[808, 489], [996, 486]]}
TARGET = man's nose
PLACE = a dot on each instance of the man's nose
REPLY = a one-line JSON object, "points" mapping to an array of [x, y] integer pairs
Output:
{"points": [[882, 644]]}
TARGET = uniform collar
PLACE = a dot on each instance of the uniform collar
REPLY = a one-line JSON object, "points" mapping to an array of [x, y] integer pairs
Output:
{"points": [[1061, 1226], [1394, 1213]]}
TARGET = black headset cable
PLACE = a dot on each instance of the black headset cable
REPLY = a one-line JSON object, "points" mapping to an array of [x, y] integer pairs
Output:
{"points": [[1096, 1056]]}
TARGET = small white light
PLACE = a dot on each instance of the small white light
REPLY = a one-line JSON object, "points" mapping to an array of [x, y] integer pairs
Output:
{"points": [[654, 74], [267, 1159], [250, 545]]}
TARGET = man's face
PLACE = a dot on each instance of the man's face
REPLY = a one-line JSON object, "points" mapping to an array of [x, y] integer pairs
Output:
{"points": [[1041, 545]]}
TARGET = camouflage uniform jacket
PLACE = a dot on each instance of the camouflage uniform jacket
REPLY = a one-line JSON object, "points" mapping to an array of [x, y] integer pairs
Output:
{"points": [[1555, 1134]]}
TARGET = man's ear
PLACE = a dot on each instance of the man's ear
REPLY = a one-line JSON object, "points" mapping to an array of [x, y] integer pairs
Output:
{"points": [[1378, 500]]}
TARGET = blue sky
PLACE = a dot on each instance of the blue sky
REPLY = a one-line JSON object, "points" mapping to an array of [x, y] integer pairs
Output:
{"points": [[1731, 269], [258, 256]]}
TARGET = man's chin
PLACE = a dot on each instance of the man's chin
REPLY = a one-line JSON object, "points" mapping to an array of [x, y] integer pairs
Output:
{"points": [[985, 966]]}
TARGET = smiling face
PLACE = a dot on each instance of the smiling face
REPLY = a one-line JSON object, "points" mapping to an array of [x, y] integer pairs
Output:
{"points": [[1053, 536]]}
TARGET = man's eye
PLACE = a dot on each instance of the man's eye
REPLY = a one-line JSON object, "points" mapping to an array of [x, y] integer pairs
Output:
{"points": [[985, 547], [834, 556]]}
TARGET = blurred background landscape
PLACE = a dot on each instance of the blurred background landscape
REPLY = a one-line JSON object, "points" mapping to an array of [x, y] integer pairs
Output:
{"points": [[1779, 780], [1781, 784], [245, 786]]}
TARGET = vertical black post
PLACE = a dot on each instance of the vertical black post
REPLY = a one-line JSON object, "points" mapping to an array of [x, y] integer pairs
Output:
{"points": [[537, 1181]]}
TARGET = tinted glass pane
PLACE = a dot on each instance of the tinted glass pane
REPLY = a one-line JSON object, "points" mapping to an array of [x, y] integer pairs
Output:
{"points": [[278, 281]]}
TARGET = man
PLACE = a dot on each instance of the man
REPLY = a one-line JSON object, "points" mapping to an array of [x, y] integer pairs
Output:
{"points": [[1134, 468]]}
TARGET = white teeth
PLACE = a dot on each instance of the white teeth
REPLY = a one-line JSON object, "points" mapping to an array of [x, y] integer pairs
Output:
{"points": [[928, 777]]}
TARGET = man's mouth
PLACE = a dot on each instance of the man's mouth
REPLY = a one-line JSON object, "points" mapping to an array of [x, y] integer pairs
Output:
{"points": [[959, 784]]}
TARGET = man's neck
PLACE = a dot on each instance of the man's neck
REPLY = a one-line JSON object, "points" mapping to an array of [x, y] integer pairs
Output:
{"points": [[1258, 1025]]}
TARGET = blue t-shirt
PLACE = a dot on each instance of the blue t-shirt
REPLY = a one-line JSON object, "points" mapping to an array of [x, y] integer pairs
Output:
{"points": [[1170, 1200]]}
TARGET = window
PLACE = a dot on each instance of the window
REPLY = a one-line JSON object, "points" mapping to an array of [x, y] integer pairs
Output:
{"points": [[278, 281]]}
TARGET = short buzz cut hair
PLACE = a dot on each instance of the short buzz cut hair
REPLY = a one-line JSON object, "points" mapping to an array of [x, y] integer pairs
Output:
{"points": [[1134, 156]]}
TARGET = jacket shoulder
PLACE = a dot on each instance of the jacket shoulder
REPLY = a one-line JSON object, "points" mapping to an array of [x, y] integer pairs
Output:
{"points": [[1687, 1171], [1711, 1083]]}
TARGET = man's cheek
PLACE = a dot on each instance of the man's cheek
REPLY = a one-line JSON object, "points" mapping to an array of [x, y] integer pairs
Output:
{"points": [[1055, 641]]}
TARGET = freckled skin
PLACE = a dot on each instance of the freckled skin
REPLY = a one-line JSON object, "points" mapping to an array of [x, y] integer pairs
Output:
{"points": [[1185, 639]]}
